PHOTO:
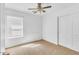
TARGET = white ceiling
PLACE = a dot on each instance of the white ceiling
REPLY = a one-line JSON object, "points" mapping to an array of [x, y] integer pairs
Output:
{"points": [[24, 6]]}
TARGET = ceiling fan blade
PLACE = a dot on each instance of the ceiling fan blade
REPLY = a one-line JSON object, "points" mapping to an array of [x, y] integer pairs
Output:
{"points": [[34, 11], [44, 11], [47, 7], [32, 8]]}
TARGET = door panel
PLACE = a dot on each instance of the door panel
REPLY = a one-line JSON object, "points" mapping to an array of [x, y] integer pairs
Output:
{"points": [[76, 32], [69, 31]]}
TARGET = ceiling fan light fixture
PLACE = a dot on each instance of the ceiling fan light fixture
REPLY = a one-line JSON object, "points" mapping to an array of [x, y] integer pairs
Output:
{"points": [[39, 8]]}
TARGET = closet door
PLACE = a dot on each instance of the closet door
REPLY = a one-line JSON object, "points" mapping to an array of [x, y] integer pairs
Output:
{"points": [[76, 31], [65, 31]]}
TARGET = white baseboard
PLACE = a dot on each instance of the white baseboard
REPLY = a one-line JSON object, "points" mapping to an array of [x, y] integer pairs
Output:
{"points": [[22, 43], [50, 41]]}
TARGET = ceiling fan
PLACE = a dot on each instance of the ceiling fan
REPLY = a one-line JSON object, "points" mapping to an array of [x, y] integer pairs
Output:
{"points": [[39, 8]]}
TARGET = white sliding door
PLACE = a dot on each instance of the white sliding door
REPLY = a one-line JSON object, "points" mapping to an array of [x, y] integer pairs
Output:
{"points": [[76, 32], [65, 31], [69, 31]]}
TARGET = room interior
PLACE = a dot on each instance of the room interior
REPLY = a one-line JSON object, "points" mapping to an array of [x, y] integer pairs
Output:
{"points": [[52, 31]]}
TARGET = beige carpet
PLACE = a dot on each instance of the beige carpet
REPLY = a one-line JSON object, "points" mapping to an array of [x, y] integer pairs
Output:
{"points": [[40, 48]]}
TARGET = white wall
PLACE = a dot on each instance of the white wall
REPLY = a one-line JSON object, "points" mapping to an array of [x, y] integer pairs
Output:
{"points": [[0, 30], [2, 27], [50, 28], [50, 22], [32, 26], [66, 31]]}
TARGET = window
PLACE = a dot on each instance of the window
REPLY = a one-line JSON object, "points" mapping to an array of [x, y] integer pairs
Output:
{"points": [[14, 27]]}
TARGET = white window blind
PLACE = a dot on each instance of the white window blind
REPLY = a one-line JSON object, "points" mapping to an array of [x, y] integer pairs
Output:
{"points": [[14, 27]]}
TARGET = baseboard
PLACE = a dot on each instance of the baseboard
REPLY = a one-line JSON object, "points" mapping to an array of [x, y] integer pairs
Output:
{"points": [[60, 45], [23, 43], [68, 48], [50, 41]]}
